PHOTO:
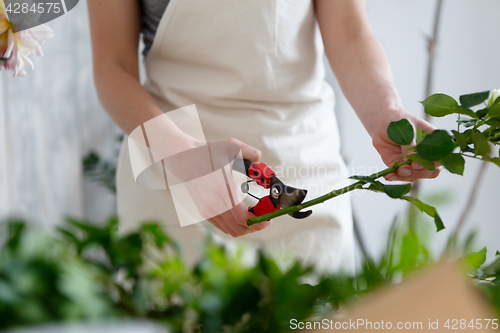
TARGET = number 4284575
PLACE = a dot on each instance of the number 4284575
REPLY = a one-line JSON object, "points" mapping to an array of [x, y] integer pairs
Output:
{"points": [[456, 324], [38, 8]]}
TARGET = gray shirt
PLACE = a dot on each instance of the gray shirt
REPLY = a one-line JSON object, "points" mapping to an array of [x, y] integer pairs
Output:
{"points": [[151, 13]]}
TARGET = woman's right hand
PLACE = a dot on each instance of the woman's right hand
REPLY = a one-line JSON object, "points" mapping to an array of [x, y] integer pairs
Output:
{"points": [[216, 195]]}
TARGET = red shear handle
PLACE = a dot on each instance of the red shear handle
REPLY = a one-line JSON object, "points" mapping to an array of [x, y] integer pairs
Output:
{"points": [[261, 173], [264, 206]]}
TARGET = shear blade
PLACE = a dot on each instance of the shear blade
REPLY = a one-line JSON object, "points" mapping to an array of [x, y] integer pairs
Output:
{"points": [[301, 215], [293, 196]]}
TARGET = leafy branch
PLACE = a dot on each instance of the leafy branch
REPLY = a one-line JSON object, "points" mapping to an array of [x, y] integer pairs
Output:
{"points": [[475, 136]]}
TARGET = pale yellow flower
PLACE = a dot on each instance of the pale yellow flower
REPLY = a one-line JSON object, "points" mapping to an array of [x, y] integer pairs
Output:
{"points": [[16, 47]]}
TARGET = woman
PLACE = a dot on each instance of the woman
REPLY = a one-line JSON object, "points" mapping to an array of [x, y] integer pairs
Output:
{"points": [[255, 71]]}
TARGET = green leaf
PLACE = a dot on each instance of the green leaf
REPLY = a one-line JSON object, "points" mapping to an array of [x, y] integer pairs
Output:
{"points": [[436, 146], [498, 252], [461, 110], [493, 123], [455, 163], [467, 122], [494, 110], [159, 236], [410, 250], [461, 140], [495, 160], [481, 144], [397, 191], [482, 113], [365, 179], [476, 259], [376, 186], [421, 134], [15, 233], [494, 267], [429, 165], [439, 105], [401, 132], [427, 209], [474, 99]]}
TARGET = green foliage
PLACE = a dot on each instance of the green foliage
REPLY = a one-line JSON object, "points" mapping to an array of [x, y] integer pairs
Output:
{"points": [[397, 191], [481, 144], [481, 130], [429, 165], [365, 179], [87, 271], [99, 171], [455, 163], [41, 280], [473, 263], [401, 132], [421, 134], [436, 146], [494, 110], [427, 209], [439, 105], [470, 100]]}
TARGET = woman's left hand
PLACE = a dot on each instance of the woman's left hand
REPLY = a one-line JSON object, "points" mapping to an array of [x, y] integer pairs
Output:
{"points": [[390, 151]]}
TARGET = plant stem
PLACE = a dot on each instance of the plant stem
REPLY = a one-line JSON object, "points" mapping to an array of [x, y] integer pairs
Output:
{"points": [[472, 194], [323, 198], [472, 197], [432, 43]]}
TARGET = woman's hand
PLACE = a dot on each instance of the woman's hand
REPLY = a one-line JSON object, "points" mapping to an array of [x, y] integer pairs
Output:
{"points": [[364, 74], [390, 151], [216, 194]]}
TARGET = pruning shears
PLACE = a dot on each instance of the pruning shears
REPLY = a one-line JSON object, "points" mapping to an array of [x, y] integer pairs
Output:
{"points": [[280, 195]]}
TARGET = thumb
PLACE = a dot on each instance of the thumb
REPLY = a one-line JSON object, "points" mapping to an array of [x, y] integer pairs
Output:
{"points": [[249, 153], [422, 124]]}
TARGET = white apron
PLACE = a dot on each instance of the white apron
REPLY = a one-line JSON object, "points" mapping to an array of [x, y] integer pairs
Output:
{"points": [[254, 69]]}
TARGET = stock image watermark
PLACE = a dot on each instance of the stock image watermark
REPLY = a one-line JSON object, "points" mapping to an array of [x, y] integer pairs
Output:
{"points": [[364, 324], [27, 14]]}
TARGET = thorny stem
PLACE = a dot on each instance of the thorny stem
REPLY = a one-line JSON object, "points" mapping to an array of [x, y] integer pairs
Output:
{"points": [[323, 198]]}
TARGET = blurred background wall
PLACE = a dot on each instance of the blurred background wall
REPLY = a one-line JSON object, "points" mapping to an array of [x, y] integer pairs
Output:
{"points": [[52, 118]]}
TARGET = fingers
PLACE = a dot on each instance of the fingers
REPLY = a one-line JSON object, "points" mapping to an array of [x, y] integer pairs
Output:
{"points": [[413, 172], [422, 124], [216, 221], [241, 214], [249, 153], [259, 226], [233, 222]]}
